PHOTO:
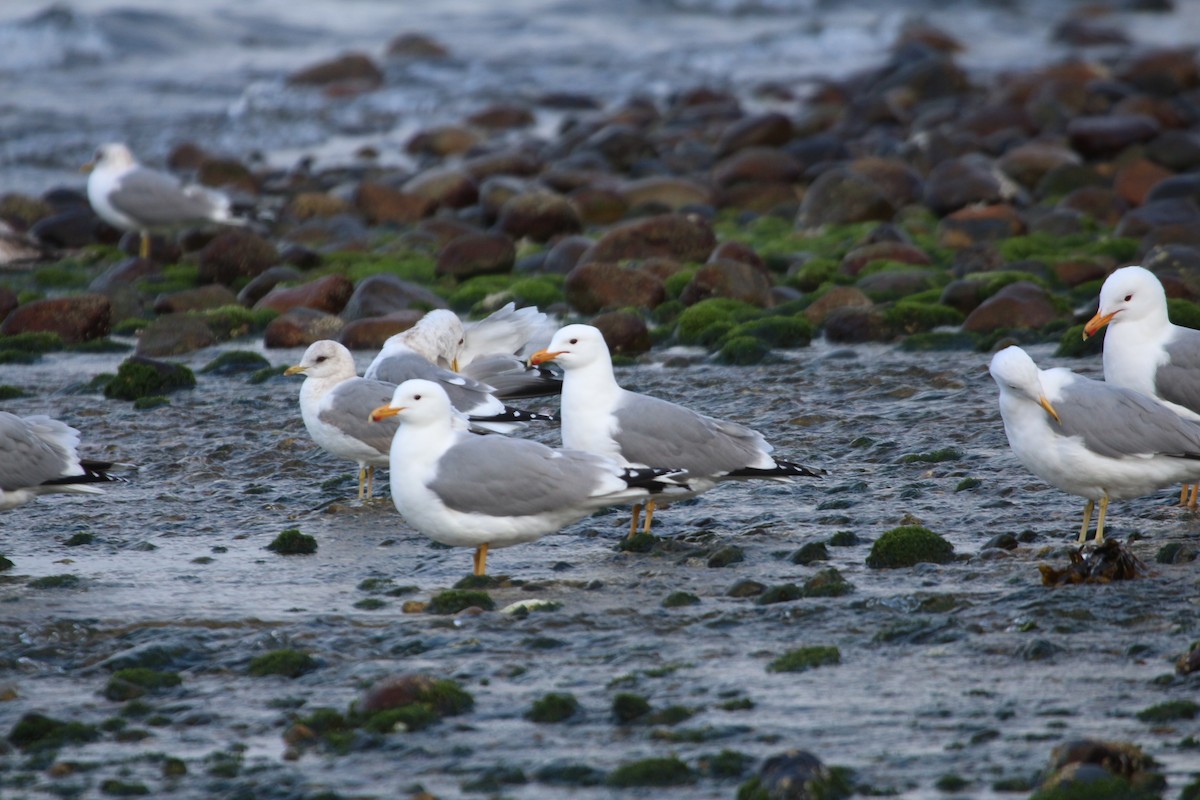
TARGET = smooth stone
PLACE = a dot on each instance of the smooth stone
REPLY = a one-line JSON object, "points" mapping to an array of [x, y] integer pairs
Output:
{"points": [[1019, 305], [477, 254], [625, 332], [682, 237], [78, 318], [733, 279], [301, 327], [383, 294], [594, 286], [235, 254], [538, 215], [329, 293], [174, 335], [212, 295]]}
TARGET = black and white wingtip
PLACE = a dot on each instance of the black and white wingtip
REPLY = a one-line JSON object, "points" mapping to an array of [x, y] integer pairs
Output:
{"points": [[656, 479], [93, 472], [510, 414], [782, 469]]}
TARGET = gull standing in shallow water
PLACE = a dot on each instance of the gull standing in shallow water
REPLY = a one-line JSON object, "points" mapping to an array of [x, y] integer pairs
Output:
{"points": [[1144, 350], [37, 456], [600, 417], [335, 404], [464, 490], [1091, 438], [132, 197]]}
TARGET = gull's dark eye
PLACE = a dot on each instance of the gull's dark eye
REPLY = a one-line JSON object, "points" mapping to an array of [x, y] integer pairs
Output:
{"points": [[573, 341], [416, 397], [1128, 297]]}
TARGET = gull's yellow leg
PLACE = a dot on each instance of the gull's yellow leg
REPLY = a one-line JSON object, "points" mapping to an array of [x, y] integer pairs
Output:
{"points": [[1087, 518], [1183, 494], [1100, 519], [144, 248], [362, 477], [649, 516], [633, 523], [481, 559], [1195, 487], [370, 481]]}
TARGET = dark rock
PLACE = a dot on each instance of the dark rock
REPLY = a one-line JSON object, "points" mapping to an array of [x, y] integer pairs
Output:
{"points": [[732, 279], [746, 588], [415, 46], [758, 165], [835, 298], [565, 254], [8, 301], [1100, 203], [979, 223], [371, 332], [625, 332], [381, 294], [72, 228], [894, 284], [599, 205], [853, 324], [841, 196], [1099, 137], [818, 149], [898, 180], [1176, 186], [20, 211], [442, 140], [621, 145], [962, 295], [769, 129], [125, 275], [265, 281], [1158, 214], [798, 775], [446, 187], [174, 335], [382, 204], [349, 72], [539, 215], [516, 162], [854, 261], [213, 295], [228, 174], [301, 327], [684, 238], [665, 192], [733, 250], [477, 254], [79, 318], [1029, 163], [1176, 150], [960, 182], [235, 254], [502, 116], [593, 287], [1019, 305], [1074, 272], [329, 293]]}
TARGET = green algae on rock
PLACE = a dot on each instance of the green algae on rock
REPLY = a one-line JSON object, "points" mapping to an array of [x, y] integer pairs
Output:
{"points": [[36, 732], [667, 771], [908, 545], [293, 543], [288, 663], [805, 658], [134, 682], [141, 377], [234, 362], [453, 601], [553, 707]]}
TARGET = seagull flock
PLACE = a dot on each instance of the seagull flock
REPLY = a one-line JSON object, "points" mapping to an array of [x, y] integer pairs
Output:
{"points": [[432, 408]]}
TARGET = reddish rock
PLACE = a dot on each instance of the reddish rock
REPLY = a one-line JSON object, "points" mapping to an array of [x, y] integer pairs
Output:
{"points": [[684, 238], [8, 301], [213, 295], [227, 173], [174, 335], [75, 319], [840, 196], [959, 182], [976, 224], [329, 293], [899, 181], [732, 279], [383, 294], [502, 116], [760, 198], [758, 165], [349, 72], [233, 254], [477, 254], [665, 191], [1103, 137], [1018, 305], [1098, 202], [513, 162], [371, 332], [661, 268], [769, 129], [594, 286], [1135, 179], [442, 141], [1073, 272], [301, 327], [625, 332], [1165, 71], [447, 187], [538, 215], [733, 250], [599, 205], [854, 261], [383, 204], [1028, 163], [837, 297]]}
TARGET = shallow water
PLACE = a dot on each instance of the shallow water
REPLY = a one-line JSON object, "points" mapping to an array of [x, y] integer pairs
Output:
{"points": [[972, 668]]}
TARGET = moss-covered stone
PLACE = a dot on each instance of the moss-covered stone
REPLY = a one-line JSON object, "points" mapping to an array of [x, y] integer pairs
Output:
{"points": [[453, 601], [570, 774], [234, 362], [288, 663], [553, 707], [79, 539], [293, 543], [826, 583], [805, 658], [151, 401], [1072, 344], [628, 707], [411, 717], [494, 779], [908, 317], [679, 599], [5, 563], [134, 682], [932, 456], [142, 377], [33, 342], [1114, 788], [776, 331], [742, 351], [724, 556], [668, 771], [810, 552], [36, 732], [939, 341], [967, 484], [65, 581], [908, 545], [782, 593], [1170, 711], [726, 764], [706, 322], [844, 539]]}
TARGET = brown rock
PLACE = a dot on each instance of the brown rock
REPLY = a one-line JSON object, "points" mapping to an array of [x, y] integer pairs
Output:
{"points": [[684, 238], [329, 293], [664, 191], [733, 250], [598, 205], [661, 268], [962, 295], [959, 182], [837, 297], [1098, 202], [382, 295], [497, 190], [1018, 305], [1134, 180], [899, 182], [1166, 71], [594, 286], [382, 204], [8, 301], [351, 72], [861, 256], [758, 165], [301, 327], [371, 332], [539, 215], [227, 173], [769, 129], [447, 187], [513, 162], [1103, 137], [213, 295], [893, 284], [72, 228], [502, 116], [1073, 272], [442, 141], [75, 319], [265, 281], [854, 324], [1028, 163], [477, 254], [761, 198], [840, 196], [234, 254], [309, 205], [174, 335], [396, 691], [625, 332], [732, 279], [976, 224], [415, 46]]}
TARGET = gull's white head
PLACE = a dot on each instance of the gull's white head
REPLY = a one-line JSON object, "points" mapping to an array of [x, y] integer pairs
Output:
{"points": [[438, 336], [574, 346], [1130, 294], [325, 359], [1017, 376], [112, 156], [416, 402]]}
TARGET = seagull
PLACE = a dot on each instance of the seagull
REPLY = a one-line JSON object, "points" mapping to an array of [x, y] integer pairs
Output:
{"points": [[335, 403], [1144, 351], [38, 456], [601, 417], [133, 197], [1091, 438], [491, 351], [464, 490]]}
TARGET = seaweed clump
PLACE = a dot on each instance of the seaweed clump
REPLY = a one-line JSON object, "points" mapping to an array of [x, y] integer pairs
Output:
{"points": [[908, 545]]}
